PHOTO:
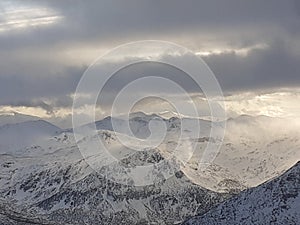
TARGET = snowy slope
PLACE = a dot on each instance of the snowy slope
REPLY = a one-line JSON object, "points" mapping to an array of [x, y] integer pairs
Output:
{"points": [[53, 179], [14, 117], [15, 136], [46, 171], [10, 214], [274, 202], [254, 150], [65, 189]]}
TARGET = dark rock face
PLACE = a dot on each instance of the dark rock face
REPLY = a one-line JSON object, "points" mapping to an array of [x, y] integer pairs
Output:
{"points": [[274, 202], [142, 158]]}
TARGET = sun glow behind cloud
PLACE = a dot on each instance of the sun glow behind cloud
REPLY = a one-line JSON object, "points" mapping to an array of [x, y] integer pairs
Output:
{"points": [[225, 50], [279, 104], [21, 16], [282, 103]]}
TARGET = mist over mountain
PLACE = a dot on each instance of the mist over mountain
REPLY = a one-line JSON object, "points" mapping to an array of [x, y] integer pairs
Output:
{"points": [[47, 175]]}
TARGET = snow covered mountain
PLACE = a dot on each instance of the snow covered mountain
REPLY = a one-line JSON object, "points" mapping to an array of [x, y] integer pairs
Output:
{"points": [[62, 187], [274, 202], [15, 136], [14, 117], [50, 177], [254, 150], [46, 173]]}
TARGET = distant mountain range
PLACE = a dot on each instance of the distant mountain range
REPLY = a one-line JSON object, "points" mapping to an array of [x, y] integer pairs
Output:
{"points": [[45, 178]]}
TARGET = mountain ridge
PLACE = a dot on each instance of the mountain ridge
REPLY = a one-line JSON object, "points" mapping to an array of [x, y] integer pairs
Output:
{"points": [[276, 201]]}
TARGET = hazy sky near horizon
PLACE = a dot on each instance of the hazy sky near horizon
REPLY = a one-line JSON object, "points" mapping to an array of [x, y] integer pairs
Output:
{"points": [[253, 48]]}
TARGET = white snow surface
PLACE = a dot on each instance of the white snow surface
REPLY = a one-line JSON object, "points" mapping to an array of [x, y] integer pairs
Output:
{"points": [[274, 202]]}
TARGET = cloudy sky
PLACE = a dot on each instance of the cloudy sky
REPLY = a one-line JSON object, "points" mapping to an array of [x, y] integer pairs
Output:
{"points": [[253, 48]]}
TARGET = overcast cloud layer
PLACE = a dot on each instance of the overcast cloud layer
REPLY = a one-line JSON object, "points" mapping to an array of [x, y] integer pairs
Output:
{"points": [[45, 46]]}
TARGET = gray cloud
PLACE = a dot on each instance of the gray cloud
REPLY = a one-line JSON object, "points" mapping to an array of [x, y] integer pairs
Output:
{"points": [[33, 67], [50, 91], [105, 21], [274, 67]]}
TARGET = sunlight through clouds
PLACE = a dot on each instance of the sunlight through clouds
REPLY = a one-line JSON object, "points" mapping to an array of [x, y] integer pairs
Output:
{"points": [[22, 16], [226, 50], [281, 103]]}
